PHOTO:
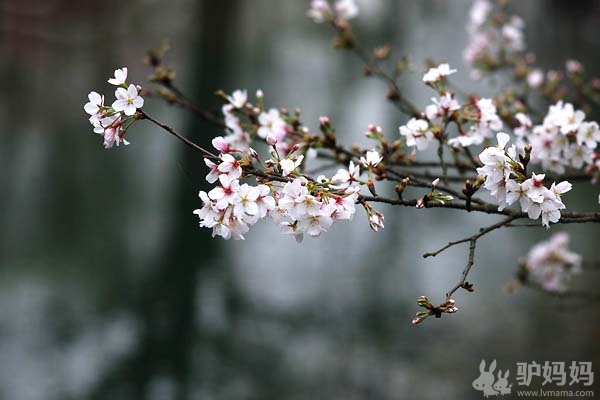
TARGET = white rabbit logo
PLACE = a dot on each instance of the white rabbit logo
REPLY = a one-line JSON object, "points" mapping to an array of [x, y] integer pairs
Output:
{"points": [[501, 384], [485, 381]]}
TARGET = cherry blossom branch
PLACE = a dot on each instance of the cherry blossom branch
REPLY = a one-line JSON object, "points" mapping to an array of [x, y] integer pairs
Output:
{"points": [[302, 205]]}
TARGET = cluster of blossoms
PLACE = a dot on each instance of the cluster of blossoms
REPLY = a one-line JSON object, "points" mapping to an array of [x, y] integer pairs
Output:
{"points": [[550, 264], [564, 139], [477, 120], [300, 205], [112, 121], [321, 11], [438, 74], [491, 39], [506, 179], [245, 121]]}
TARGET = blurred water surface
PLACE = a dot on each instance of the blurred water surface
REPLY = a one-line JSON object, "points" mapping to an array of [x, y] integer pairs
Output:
{"points": [[109, 289]]}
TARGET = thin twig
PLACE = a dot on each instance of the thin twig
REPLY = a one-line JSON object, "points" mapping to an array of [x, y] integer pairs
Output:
{"points": [[476, 236], [183, 101], [488, 208], [206, 153], [471, 257]]}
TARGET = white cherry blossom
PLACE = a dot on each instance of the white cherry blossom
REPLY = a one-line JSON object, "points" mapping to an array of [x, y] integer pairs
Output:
{"points": [[119, 78], [128, 100]]}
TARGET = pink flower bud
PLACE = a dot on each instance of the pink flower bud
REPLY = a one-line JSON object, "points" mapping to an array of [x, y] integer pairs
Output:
{"points": [[271, 140]]}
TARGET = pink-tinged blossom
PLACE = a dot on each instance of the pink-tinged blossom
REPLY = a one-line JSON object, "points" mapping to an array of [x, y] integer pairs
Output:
{"points": [[525, 125], [314, 225], [289, 165], [246, 202], [221, 144], [319, 11], [561, 188], [571, 119], [588, 134], [113, 134], [346, 9], [494, 160], [479, 12], [516, 191], [578, 155], [534, 187], [436, 74], [512, 34], [232, 122], [551, 265], [535, 78], [344, 178], [548, 208], [461, 141], [573, 66], [264, 201], [489, 122], [101, 123], [307, 205], [292, 228], [238, 98], [128, 100], [271, 124], [225, 194], [209, 213], [343, 207], [417, 133], [120, 77], [371, 160], [230, 166], [442, 107], [214, 173]]}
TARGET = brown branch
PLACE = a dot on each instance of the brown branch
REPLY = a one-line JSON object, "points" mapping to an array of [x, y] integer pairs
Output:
{"points": [[488, 208], [462, 283], [416, 182], [206, 153], [476, 236]]}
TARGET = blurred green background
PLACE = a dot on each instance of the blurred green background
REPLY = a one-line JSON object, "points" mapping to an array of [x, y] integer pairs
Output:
{"points": [[108, 288]]}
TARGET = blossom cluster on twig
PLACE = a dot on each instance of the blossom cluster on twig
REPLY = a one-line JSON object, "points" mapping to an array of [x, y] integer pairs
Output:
{"points": [[259, 164], [112, 121]]}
